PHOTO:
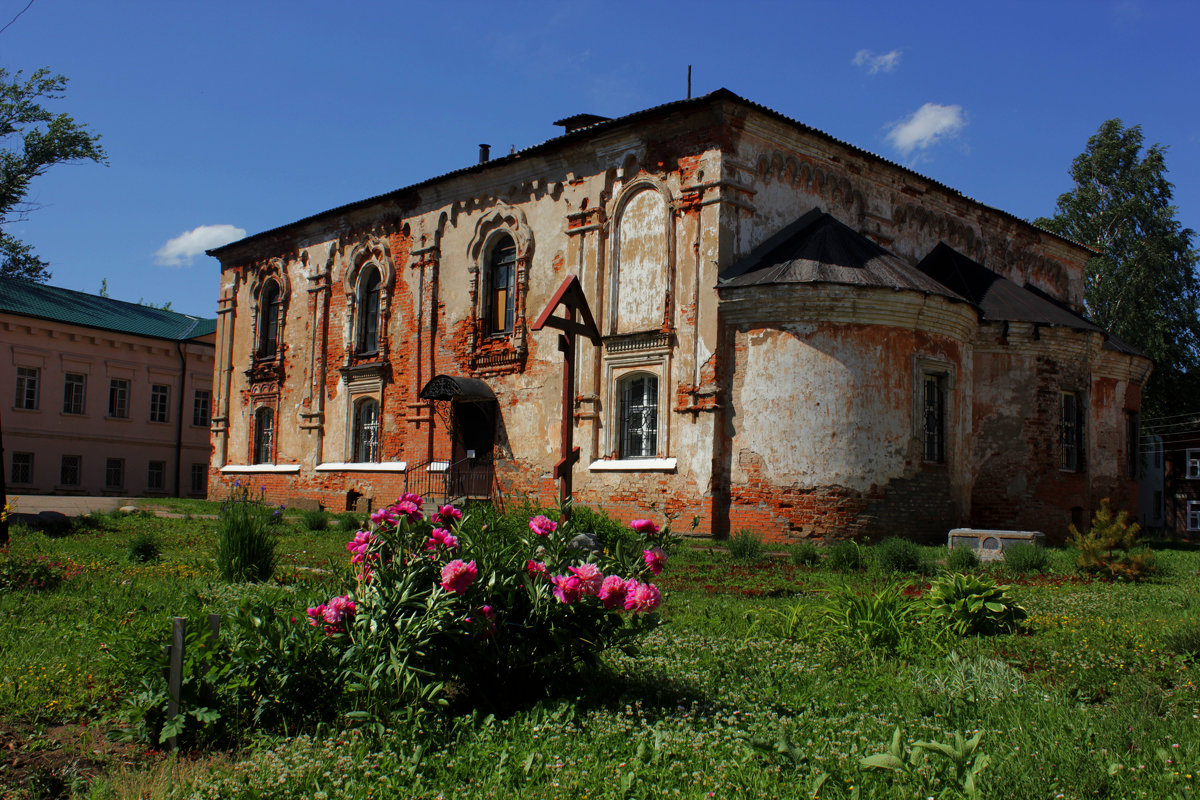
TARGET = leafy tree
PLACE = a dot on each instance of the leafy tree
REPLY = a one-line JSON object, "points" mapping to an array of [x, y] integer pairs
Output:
{"points": [[1143, 287], [33, 140]]}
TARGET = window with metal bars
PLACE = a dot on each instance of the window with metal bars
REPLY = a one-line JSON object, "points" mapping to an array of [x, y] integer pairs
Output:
{"points": [[69, 470], [156, 475], [933, 405], [639, 416], [22, 468], [366, 431], [264, 435], [114, 473]]}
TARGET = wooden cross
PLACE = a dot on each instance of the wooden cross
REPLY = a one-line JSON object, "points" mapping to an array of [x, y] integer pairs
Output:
{"points": [[570, 296]]}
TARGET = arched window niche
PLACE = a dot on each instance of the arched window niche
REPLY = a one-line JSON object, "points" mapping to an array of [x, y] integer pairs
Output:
{"points": [[365, 435], [642, 260], [500, 287], [367, 329], [264, 435], [270, 303]]}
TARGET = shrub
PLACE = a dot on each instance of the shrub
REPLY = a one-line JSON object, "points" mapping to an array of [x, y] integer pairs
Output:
{"points": [[962, 559], [348, 522], [1110, 546], [745, 545], [1026, 557], [143, 548], [806, 554], [443, 608], [245, 543], [970, 605], [315, 519], [19, 573], [844, 556], [609, 533], [895, 554]]}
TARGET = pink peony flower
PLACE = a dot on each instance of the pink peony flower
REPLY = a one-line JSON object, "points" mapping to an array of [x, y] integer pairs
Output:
{"points": [[447, 514], [409, 509], [644, 526], [316, 614], [612, 592], [381, 515], [534, 568], [590, 578], [441, 537], [655, 559], [409, 497], [566, 588], [542, 526], [642, 596], [359, 546], [458, 575]]}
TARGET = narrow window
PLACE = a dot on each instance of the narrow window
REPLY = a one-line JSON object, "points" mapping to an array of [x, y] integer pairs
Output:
{"points": [[268, 320], [639, 417], [156, 475], [1133, 436], [264, 435], [368, 311], [501, 274], [74, 392], [1193, 464], [201, 405], [118, 398], [933, 405], [1193, 515], [114, 473], [69, 470], [199, 478], [27, 388], [366, 431], [1070, 431], [22, 468], [160, 394]]}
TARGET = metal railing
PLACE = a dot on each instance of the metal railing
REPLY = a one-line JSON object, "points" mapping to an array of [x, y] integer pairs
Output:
{"points": [[439, 481]]}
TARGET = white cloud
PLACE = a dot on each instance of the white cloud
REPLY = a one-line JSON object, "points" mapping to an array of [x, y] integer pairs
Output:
{"points": [[180, 251], [884, 62], [925, 127]]}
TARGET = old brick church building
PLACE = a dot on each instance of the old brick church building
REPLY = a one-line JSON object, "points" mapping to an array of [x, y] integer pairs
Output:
{"points": [[798, 337]]}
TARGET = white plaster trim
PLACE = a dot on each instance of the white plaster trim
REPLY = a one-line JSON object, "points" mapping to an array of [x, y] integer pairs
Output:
{"points": [[257, 468], [363, 466], [633, 465]]}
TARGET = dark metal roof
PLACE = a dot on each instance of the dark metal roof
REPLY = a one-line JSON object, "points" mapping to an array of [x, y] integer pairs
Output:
{"points": [[450, 387], [1000, 300], [612, 124], [819, 249], [38, 300]]}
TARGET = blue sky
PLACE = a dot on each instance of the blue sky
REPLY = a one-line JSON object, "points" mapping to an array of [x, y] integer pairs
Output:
{"points": [[250, 115]]}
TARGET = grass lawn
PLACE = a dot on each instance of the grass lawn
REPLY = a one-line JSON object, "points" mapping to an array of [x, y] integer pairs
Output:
{"points": [[744, 692]]}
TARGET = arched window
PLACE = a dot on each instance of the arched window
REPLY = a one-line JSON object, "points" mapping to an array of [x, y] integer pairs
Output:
{"points": [[268, 320], [639, 416], [501, 275], [368, 311], [264, 436], [366, 430]]}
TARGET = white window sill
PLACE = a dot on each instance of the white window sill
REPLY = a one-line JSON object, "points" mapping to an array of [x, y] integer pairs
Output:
{"points": [[633, 465], [363, 466], [252, 469]]}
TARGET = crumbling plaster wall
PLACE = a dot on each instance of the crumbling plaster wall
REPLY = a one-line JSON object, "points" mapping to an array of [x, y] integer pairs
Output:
{"points": [[788, 172]]}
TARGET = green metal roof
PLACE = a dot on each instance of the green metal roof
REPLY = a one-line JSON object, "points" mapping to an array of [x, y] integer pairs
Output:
{"points": [[30, 299]]}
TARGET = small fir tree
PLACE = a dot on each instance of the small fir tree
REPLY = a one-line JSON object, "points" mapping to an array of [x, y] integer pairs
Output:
{"points": [[1110, 546]]}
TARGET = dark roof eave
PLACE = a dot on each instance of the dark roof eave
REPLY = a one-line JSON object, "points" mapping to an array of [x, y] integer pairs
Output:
{"points": [[591, 130]]}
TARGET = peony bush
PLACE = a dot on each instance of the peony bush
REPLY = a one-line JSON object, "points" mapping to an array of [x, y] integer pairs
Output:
{"points": [[440, 609]]}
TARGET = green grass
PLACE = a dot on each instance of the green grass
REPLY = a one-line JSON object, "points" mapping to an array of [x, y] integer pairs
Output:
{"points": [[743, 693]]}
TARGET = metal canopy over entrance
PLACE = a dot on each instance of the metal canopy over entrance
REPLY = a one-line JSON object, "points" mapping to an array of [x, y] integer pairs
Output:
{"points": [[468, 408], [448, 387]]}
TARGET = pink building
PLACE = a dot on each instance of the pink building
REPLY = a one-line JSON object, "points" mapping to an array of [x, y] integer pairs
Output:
{"points": [[100, 396]]}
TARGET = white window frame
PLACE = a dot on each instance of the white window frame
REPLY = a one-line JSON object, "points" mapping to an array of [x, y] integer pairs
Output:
{"points": [[264, 438], [26, 466], [161, 468], [76, 464], [202, 408], [114, 467], [1192, 464], [118, 397], [1193, 515], [75, 390], [365, 435], [28, 385], [160, 402], [621, 396]]}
